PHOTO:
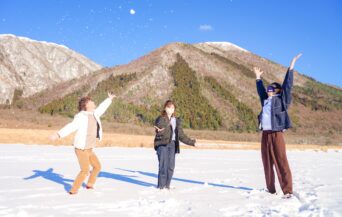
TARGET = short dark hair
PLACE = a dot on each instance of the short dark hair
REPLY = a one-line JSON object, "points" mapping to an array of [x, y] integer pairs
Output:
{"points": [[276, 85], [83, 102]]}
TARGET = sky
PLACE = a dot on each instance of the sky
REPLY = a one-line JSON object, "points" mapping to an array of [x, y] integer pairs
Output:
{"points": [[114, 32]]}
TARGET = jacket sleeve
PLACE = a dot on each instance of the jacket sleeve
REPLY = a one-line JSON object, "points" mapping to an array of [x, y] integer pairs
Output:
{"points": [[184, 138], [161, 123], [261, 91], [101, 109], [287, 87], [70, 128]]}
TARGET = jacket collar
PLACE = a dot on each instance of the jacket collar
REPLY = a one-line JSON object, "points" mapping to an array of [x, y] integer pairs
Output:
{"points": [[87, 113], [270, 97]]}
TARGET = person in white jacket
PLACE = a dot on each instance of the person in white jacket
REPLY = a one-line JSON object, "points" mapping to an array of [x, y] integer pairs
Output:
{"points": [[87, 125]]}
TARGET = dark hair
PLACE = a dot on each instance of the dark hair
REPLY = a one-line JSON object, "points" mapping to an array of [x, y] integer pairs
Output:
{"points": [[83, 102], [276, 86], [167, 104]]}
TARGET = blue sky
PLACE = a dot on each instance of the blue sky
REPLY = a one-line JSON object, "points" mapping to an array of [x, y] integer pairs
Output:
{"points": [[108, 33]]}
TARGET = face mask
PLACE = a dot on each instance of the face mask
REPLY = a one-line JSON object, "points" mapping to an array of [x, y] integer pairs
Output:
{"points": [[169, 111], [270, 89]]}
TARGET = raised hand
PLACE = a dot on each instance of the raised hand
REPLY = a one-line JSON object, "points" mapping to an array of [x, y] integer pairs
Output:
{"points": [[258, 72], [159, 129], [111, 95], [293, 61]]}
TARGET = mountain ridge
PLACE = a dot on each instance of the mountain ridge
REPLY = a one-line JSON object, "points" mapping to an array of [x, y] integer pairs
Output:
{"points": [[28, 66], [212, 83]]}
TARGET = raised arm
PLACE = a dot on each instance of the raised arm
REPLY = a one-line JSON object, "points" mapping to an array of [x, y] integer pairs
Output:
{"points": [[294, 60], [101, 109], [260, 85], [288, 81]]}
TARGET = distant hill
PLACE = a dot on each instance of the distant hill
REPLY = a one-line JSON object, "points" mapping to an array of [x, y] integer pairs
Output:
{"points": [[28, 66], [212, 83]]}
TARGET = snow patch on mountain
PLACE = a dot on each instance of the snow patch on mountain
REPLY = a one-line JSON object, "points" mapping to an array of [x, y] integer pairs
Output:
{"points": [[227, 46]]}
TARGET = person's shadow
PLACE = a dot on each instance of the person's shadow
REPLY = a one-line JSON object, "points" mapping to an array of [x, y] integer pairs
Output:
{"points": [[50, 175], [125, 178], [190, 181], [59, 179]]}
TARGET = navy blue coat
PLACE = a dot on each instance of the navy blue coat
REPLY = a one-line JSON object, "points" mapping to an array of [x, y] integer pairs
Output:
{"points": [[280, 119]]}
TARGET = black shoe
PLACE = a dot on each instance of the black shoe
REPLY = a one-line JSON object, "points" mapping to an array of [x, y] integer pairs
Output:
{"points": [[271, 192]]}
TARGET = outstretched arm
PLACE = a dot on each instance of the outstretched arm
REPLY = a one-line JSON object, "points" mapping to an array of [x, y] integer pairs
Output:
{"points": [[33, 176], [288, 81], [260, 85], [294, 60], [101, 109], [66, 130], [182, 136]]}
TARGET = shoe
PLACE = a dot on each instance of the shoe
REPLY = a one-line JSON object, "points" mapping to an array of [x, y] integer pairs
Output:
{"points": [[164, 189], [89, 187], [270, 192], [72, 193], [287, 196], [170, 187]]}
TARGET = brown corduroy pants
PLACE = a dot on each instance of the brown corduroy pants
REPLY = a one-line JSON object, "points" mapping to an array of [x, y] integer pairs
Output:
{"points": [[273, 152], [86, 158]]}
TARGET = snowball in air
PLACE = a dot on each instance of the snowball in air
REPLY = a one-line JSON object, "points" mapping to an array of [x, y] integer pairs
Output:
{"points": [[132, 11]]}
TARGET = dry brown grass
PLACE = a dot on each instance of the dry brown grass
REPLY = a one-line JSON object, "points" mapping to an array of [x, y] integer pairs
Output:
{"points": [[40, 137], [30, 127]]}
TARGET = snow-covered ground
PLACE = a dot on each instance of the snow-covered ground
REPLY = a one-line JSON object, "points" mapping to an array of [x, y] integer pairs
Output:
{"points": [[206, 183]]}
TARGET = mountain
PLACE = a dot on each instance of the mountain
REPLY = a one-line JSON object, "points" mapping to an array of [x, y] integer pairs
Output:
{"points": [[212, 84], [28, 67]]}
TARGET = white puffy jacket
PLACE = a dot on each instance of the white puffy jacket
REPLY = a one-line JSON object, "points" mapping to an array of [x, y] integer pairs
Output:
{"points": [[80, 124]]}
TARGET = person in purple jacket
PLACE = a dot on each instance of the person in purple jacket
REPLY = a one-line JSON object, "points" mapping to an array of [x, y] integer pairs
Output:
{"points": [[273, 121]]}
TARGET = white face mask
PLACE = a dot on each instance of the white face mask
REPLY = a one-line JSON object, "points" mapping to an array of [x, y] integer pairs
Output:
{"points": [[169, 111]]}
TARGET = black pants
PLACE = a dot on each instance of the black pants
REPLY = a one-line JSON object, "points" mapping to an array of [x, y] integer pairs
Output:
{"points": [[166, 157]]}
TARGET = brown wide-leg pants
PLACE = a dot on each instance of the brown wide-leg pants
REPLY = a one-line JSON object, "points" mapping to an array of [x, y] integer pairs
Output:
{"points": [[86, 158], [273, 152]]}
